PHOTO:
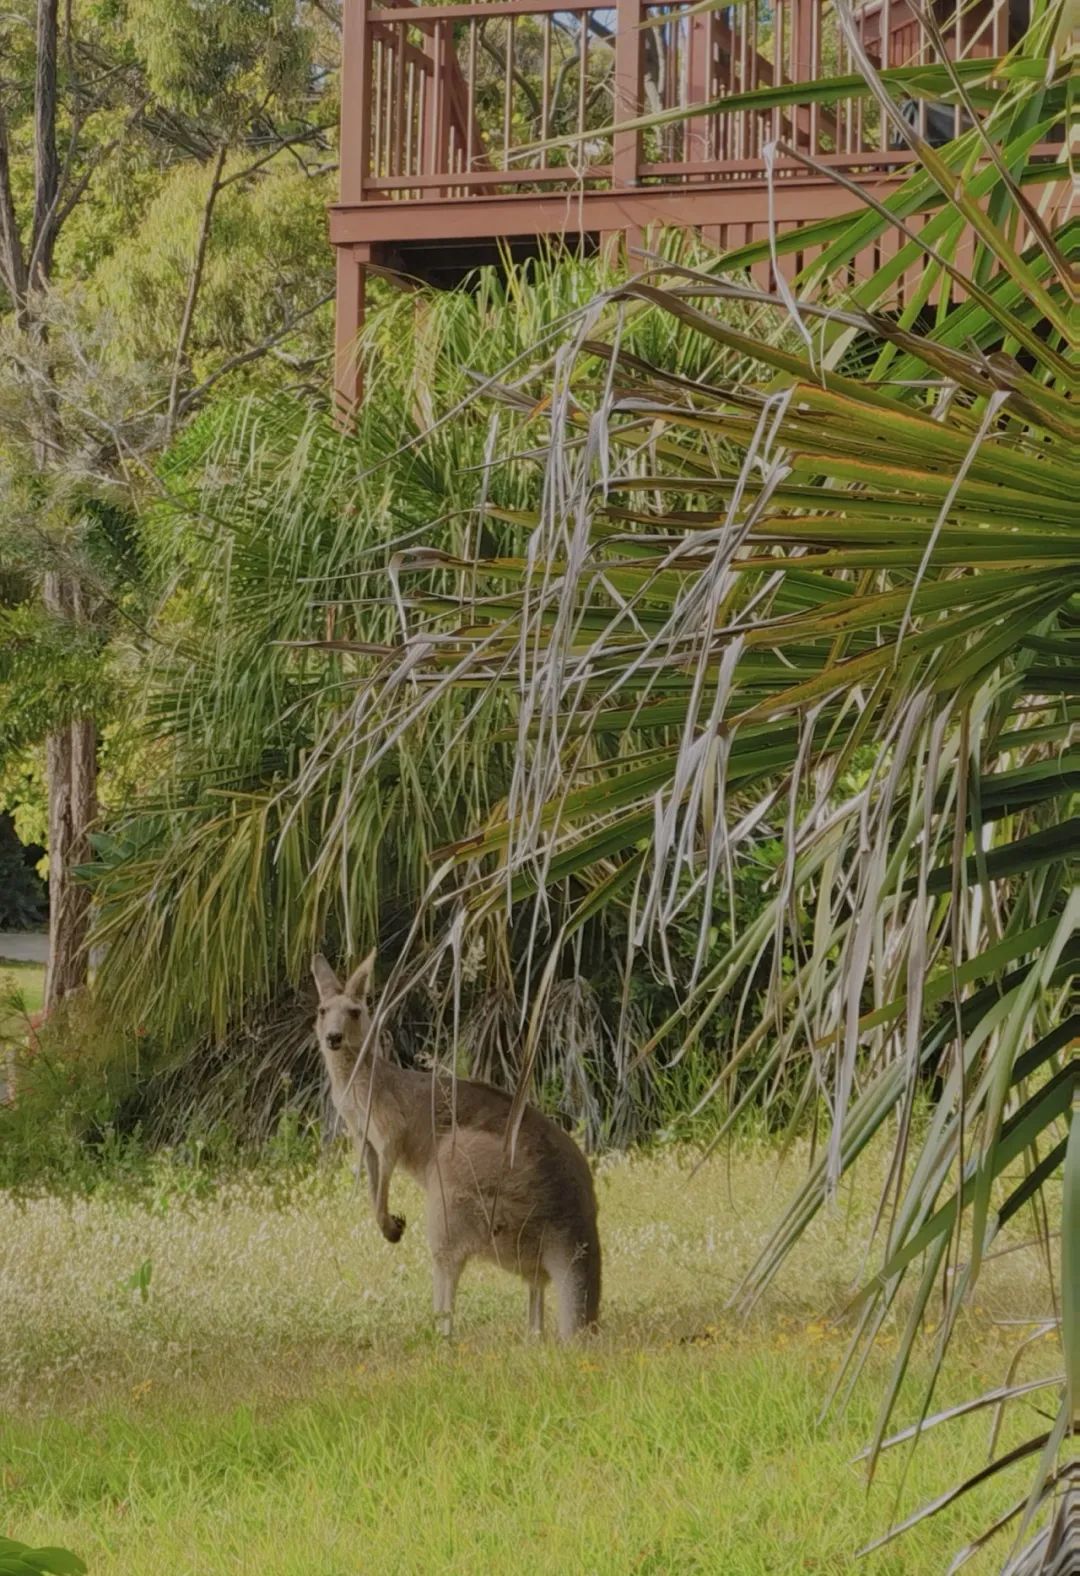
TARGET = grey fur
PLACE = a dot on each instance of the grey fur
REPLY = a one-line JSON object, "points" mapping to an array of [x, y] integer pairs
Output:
{"points": [[535, 1215]]}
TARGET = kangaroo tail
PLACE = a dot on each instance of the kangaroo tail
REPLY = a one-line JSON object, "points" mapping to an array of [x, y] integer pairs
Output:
{"points": [[575, 1272], [592, 1276]]}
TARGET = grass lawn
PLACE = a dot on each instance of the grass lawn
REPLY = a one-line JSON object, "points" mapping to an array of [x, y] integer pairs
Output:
{"points": [[246, 1382], [22, 990]]}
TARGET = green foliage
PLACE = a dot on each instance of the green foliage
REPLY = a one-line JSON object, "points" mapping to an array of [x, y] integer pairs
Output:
{"points": [[22, 986], [70, 1077], [268, 230], [23, 797], [137, 314], [49, 673], [19, 1559], [230, 54], [272, 530], [755, 579], [22, 897]]}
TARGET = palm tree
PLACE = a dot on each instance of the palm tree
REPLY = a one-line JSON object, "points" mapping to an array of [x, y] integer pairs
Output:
{"points": [[830, 591], [242, 843]]}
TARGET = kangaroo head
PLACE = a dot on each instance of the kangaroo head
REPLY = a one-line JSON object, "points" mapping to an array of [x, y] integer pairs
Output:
{"points": [[342, 1021]]}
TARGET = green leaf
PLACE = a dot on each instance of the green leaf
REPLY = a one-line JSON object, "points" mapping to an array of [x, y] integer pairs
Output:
{"points": [[1070, 1259]]}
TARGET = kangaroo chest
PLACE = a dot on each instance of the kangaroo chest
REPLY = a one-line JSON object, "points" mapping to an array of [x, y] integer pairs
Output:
{"points": [[364, 1101]]}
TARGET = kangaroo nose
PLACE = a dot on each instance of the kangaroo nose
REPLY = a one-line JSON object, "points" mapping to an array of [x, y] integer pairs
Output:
{"points": [[333, 1040]]}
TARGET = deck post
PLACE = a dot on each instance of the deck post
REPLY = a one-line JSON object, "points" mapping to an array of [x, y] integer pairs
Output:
{"points": [[355, 155], [624, 159], [355, 145], [802, 56], [352, 264]]}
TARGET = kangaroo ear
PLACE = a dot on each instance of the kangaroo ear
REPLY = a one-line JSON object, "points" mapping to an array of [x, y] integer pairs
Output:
{"points": [[359, 981], [325, 978]]}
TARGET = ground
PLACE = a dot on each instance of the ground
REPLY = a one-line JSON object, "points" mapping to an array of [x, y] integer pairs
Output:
{"points": [[22, 987], [243, 1379]]}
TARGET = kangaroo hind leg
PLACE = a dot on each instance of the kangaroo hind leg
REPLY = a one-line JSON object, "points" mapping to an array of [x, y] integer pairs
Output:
{"points": [[445, 1274]]}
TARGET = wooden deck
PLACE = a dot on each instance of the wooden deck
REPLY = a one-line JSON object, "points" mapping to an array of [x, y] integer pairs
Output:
{"points": [[443, 107]]}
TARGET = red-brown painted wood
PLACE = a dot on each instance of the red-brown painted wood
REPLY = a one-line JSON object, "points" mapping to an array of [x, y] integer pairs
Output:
{"points": [[420, 180]]}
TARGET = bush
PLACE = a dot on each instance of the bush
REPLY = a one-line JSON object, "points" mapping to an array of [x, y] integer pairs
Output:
{"points": [[22, 892], [69, 1078]]}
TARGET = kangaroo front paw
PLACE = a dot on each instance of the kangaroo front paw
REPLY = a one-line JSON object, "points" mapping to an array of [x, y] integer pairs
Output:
{"points": [[392, 1230]]}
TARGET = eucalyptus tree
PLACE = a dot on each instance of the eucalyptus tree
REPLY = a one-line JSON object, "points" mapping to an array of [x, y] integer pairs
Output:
{"points": [[102, 111]]}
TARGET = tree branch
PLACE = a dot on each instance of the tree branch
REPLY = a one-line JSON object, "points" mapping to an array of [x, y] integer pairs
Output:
{"points": [[252, 353], [61, 210], [46, 162], [332, 13], [12, 261], [193, 287], [280, 144], [517, 75]]}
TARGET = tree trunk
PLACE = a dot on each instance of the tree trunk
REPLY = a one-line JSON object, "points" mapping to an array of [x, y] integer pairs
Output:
{"points": [[71, 766]]}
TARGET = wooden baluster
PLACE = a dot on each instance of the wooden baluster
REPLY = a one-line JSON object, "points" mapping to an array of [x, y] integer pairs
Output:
{"points": [[886, 60], [397, 132], [376, 109], [712, 88], [669, 88], [433, 97], [583, 85], [780, 71], [730, 131], [744, 75], [388, 107], [699, 142], [545, 88], [753, 129], [624, 161], [802, 25], [625, 151], [443, 54], [815, 73], [958, 54], [855, 110], [508, 94], [924, 59], [470, 107], [410, 122], [999, 29]]}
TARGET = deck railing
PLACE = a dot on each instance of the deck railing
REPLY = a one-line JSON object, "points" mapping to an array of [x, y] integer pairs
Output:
{"points": [[445, 101]]}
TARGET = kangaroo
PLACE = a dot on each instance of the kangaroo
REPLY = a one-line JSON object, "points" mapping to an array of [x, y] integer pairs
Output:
{"points": [[535, 1215]]}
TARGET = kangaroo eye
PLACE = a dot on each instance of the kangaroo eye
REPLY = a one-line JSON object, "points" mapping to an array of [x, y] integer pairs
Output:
{"points": [[322, 1012], [354, 1012]]}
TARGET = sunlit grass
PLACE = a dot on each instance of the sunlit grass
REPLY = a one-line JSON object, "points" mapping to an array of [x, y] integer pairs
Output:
{"points": [[22, 990], [248, 1382]]}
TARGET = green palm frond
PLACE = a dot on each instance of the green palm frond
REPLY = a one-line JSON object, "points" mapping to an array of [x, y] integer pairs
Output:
{"points": [[279, 549], [826, 593]]}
